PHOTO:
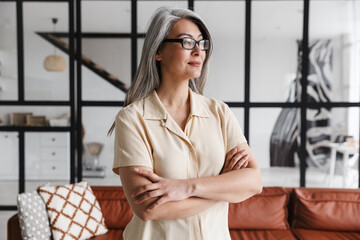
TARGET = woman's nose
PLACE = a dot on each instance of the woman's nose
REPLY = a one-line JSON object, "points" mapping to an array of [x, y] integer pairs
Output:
{"points": [[196, 49]]}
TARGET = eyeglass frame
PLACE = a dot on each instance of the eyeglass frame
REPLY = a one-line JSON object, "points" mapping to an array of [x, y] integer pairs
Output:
{"points": [[181, 40]]}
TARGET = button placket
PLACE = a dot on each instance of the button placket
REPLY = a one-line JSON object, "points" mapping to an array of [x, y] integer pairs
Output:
{"points": [[173, 127], [192, 154]]}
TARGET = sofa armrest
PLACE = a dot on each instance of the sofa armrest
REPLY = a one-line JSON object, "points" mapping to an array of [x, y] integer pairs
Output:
{"points": [[13, 228]]}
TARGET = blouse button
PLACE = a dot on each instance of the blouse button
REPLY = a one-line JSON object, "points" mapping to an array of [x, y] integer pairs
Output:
{"points": [[163, 123]]}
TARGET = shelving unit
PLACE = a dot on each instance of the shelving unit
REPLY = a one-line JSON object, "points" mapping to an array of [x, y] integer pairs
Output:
{"points": [[21, 130]]}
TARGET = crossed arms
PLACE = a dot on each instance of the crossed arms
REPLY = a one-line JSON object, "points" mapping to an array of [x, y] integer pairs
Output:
{"points": [[152, 197]]}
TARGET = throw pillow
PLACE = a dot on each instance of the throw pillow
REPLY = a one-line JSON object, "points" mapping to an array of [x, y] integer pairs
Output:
{"points": [[33, 218], [74, 211]]}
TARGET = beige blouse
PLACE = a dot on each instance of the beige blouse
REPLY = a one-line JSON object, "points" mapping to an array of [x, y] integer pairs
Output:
{"points": [[146, 135]]}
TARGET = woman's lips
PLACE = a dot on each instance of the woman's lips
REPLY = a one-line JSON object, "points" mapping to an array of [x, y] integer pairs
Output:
{"points": [[195, 64]]}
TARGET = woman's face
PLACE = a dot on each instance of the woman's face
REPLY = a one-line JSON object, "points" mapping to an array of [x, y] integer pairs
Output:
{"points": [[176, 62]]}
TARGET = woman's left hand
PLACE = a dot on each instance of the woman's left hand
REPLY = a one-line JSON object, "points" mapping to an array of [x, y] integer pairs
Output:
{"points": [[163, 188]]}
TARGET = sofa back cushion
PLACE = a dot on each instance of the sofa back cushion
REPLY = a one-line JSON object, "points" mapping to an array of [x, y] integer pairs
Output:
{"points": [[327, 209], [267, 210], [114, 206]]}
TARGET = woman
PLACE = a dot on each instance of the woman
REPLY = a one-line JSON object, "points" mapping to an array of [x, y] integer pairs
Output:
{"points": [[181, 157]]}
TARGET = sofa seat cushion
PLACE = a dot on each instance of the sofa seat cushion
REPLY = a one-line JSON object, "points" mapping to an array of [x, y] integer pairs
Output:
{"points": [[304, 234], [327, 209], [261, 234], [112, 234], [265, 211]]}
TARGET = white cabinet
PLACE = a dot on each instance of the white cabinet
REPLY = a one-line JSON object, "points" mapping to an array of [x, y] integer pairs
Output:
{"points": [[47, 156], [9, 157]]}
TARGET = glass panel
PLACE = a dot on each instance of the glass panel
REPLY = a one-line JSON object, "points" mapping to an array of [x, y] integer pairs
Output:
{"points": [[17, 116], [110, 55], [32, 185], [8, 52], [239, 114], [147, 8], [47, 157], [276, 29], [9, 175], [98, 152], [226, 69], [333, 148], [117, 20], [42, 84], [334, 34], [274, 141], [140, 43]]}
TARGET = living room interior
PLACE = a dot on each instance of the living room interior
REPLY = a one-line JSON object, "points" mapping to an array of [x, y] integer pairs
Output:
{"points": [[55, 113]]}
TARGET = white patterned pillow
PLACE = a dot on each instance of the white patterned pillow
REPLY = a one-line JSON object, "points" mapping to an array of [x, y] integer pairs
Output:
{"points": [[33, 218], [74, 211]]}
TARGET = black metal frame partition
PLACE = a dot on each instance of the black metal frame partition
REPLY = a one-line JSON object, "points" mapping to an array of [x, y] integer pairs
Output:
{"points": [[76, 104], [22, 102]]}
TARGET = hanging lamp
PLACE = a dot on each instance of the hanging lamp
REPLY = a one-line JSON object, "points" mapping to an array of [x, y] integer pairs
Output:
{"points": [[54, 63]]}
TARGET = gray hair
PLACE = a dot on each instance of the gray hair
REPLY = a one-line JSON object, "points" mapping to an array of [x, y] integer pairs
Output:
{"points": [[147, 77]]}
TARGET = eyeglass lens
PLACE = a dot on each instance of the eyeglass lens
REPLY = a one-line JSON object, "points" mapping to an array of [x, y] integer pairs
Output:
{"points": [[189, 43]]}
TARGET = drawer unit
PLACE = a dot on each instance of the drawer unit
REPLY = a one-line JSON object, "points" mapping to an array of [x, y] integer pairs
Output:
{"points": [[9, 158], [54, 139], [53, 169], [47, 156], [53, 153]]}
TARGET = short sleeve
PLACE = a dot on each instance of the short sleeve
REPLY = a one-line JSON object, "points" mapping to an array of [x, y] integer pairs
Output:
{"points": [[131, 146], [233, 132]]}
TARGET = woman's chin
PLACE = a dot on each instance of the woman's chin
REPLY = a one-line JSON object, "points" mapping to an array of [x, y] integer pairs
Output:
{"points": [[196, 75]]}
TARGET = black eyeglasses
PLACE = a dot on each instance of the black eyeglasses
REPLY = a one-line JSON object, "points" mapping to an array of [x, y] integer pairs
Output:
{"points": [[189, 43]]}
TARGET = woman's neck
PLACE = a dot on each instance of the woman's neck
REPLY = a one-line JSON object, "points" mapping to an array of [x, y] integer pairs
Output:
{"points": [[174, 95]]}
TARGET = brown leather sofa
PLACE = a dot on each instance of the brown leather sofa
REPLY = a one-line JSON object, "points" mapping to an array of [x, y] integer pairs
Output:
{"points": [[277, 213]]}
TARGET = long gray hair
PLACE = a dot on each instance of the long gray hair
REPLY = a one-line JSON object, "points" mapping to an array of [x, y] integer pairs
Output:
{"points": [[147, 77]]}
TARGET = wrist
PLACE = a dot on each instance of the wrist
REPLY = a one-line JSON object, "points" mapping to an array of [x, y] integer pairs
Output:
{"points": [[191, 187]]}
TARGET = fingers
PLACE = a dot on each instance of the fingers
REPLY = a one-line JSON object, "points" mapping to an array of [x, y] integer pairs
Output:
{"points": [[143, 189], [148, 174], [235, 160], [162, 200], [245, 164], [241, 163], [229, 156], [148, 196]]}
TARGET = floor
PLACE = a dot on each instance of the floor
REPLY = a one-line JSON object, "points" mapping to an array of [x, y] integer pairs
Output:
{"points": [[286, 177]]}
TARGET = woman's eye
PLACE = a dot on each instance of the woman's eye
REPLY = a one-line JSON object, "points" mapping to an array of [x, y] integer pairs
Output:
{"points": [[187, 41]]}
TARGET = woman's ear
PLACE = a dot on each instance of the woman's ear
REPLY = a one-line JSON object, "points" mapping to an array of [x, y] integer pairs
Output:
{"points": [[157, 57]]}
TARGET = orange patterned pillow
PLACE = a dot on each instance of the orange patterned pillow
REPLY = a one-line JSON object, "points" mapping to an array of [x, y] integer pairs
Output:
{"points": [[73, 210]]}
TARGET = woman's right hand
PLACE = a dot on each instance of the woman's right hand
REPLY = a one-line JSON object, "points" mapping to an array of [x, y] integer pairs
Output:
{"points": [[235, 160]]}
